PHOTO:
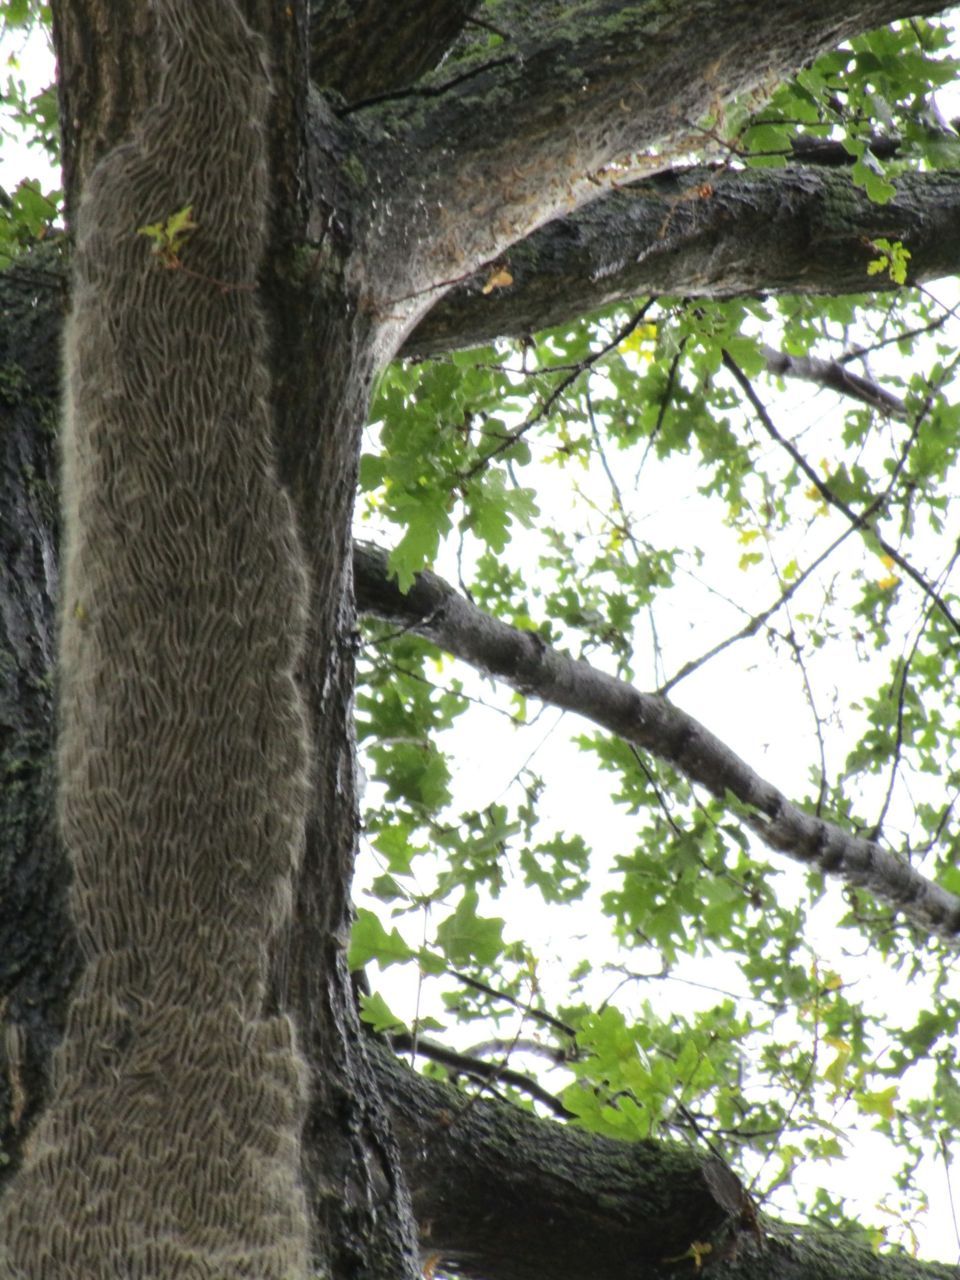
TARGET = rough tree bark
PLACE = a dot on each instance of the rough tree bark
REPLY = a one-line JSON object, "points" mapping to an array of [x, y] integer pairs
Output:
{"points": [[407, 175], [797, 230]]}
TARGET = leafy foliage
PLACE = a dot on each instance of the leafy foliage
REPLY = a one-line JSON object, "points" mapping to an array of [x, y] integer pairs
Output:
{"points": [[29, 213], [874, 96]]}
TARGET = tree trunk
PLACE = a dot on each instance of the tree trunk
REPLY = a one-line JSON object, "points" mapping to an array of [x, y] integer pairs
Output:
{"points": [[39, 961], [214, 1001]]}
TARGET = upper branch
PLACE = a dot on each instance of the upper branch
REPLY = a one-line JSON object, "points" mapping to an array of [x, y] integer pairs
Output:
{"points": [[704, 232], [435, 610], [578, 98], [368, 49]]}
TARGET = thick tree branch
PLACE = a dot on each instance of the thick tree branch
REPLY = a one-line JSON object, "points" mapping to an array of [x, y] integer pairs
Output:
{"points": [[704, 233], [502, 1195], [436, 611], [583, 96]]}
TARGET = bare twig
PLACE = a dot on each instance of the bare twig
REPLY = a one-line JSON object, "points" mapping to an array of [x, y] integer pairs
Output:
{"points": [[485, 1073], [861, 522], [543, 410]]}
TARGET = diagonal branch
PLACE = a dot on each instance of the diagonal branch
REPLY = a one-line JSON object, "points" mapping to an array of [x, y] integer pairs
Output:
{"points": [[835, 377], [436, 611], [704, 233], [863, 522], [757, 620]]}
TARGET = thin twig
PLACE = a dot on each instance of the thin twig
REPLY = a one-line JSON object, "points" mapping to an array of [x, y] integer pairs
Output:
{"points": [[485, 1073], [538, 1015], [758, 620], [857, 521], [511, 437]]}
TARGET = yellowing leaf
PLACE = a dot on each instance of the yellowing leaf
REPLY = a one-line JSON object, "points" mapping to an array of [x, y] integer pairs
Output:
{"points": [[696, 1253], [879, 1103], [499, 278], [837, 1069], [181, 222], [642, 336], [877, 1237]]}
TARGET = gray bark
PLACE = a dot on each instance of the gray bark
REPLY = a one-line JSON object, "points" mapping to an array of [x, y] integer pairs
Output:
{"points": [[435, 610], [835, 376], [38, 959], [581, 98], [364, 52], [769, 231]]}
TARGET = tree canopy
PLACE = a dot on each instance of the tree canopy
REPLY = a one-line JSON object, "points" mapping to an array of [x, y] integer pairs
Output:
{"points": [[654, 556]]}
